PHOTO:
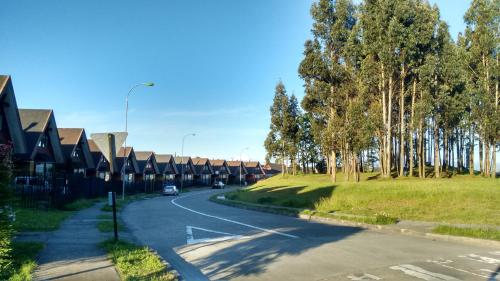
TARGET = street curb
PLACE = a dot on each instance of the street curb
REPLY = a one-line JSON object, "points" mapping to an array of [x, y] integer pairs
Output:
{"points": [[168, 265], [391, 228]]}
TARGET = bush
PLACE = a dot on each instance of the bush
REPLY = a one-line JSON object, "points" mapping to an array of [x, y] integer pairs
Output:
{"points": [[266, 200], [293, 203], [6, 230]]}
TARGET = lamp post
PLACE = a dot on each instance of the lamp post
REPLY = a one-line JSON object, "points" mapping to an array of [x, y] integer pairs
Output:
{"points": [[148, 84], [241, 152], [182, 158]]}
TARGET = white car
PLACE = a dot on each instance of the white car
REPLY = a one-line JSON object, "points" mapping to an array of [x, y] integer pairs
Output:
{"points": [[218, 184], [170, 190]]}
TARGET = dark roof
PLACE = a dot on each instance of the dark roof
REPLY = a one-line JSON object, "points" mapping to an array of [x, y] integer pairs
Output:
{"points": [[94, 151], [272, 168], [142, 158], [220, 165], [234, 167], [69, 138], [199, 163], [9, 106], [129, 153], [183, 160], [164, 160], [254, 167], [34, 122]]}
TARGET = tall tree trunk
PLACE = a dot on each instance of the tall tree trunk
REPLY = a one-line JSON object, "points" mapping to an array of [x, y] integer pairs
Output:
{"points": [[481, 158], [487, 158], [334, 166], [494, 160], [471, 150], [412, 133], [436, 150], [402, 123], [445, 150], [389, 129], [385, 149], [459, 148]]}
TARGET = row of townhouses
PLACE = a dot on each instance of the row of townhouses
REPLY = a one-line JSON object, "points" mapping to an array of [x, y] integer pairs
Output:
{"points": [[41, 150]]}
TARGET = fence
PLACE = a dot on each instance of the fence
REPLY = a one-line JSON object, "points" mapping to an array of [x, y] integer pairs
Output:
{"points": [[61, 189]]}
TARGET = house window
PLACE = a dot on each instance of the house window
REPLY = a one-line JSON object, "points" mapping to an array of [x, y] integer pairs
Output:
{"points": [[76, 153], [79, 171], [43, 142], [149, 177]]}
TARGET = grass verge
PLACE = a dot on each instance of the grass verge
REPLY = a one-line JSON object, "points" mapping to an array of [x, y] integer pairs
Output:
{"points": [[39, 220], [107, 226], [137, 263], [24, 260], [457, 200], [120, 204], [481, 233], [81, 204]]}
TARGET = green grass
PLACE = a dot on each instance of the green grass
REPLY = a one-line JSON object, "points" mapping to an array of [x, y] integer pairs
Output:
{"points": [[460, 199], [136, 263], [24, 260], [80, 204], [120, 204], [105, 217], [39, 220], [107, 226], [482, 233]]}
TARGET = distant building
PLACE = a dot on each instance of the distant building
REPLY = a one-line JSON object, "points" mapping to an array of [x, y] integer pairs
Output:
{"points": [[255, 172], [238, 172], [76, 150], [221, 170]]}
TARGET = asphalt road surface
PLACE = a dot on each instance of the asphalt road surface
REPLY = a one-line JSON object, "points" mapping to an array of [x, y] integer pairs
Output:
{"points": [[208, 241]]}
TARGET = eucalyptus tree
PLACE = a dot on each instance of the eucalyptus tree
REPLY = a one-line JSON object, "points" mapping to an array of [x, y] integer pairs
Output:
{"points": [[482, 44], [324, 64]]}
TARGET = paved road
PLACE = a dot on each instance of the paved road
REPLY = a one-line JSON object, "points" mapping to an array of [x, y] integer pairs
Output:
{"points": [[208, 241]]}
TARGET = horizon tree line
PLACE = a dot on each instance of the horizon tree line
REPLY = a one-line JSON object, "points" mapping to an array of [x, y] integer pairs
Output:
{"points": [[386, 84]]}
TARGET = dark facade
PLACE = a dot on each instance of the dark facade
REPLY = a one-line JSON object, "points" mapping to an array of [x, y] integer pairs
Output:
{"points": [[11, 131], [238, 172], [168, 168], [186, 170], [75, 150], [255, 172], [221, 170], [127, 163], [44, 154], [204, 171]]}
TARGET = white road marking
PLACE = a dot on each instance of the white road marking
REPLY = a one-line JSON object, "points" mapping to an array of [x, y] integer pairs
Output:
{"points": [[228, 236], [365, 276], [444, 264], [478, 258], [228, 220], [421, 273]]}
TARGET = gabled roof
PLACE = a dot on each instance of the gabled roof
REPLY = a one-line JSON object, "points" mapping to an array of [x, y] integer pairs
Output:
{"points": [[129, 154], [95, 152], [254, 167], [219, 165], [184, 160], [272, 168], [199, 163], [164, 160], [36, 122], [142, 159], [9, 106], [70, 138], [234, 167]]}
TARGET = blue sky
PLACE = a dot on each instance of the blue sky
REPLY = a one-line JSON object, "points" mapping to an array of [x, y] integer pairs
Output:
{"points": [[214, 63]]}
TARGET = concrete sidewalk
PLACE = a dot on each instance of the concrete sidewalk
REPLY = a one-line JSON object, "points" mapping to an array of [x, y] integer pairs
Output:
{"points": [[72, 253]]}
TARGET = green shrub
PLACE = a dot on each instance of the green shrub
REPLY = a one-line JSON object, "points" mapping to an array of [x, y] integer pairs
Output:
{"points": [[266, 200], [6, 230]]}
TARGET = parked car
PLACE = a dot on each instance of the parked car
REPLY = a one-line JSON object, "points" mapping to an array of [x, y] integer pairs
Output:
{"points": [[218, 184], [170, 190]]}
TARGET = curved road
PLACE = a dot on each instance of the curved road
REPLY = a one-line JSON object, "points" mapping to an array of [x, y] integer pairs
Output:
{"points": [[207, 241]]}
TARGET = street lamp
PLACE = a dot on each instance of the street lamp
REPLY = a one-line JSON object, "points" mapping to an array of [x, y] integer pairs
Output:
{"points": [[147, 84], [241, 152], [182, 157]]}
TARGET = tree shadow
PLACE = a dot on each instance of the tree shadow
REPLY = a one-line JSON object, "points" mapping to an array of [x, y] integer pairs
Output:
{"points": [[288, 196], [254, 256]]}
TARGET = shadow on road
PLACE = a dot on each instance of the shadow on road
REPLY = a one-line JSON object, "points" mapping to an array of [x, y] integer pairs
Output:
{"points": [[252, 256]]}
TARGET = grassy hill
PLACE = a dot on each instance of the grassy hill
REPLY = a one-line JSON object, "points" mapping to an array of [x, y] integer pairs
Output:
{"points": [[460, 199]]}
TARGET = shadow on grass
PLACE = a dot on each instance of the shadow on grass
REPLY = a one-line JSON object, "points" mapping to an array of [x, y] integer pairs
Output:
{"points": [[283, 195]]}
